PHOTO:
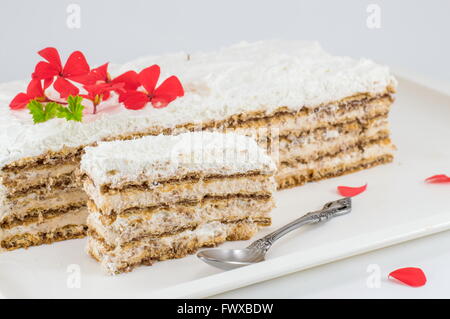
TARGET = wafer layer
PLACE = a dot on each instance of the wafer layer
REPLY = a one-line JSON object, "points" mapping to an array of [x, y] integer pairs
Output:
{"points": [[70, 225], [137, 223], [149, 250]]}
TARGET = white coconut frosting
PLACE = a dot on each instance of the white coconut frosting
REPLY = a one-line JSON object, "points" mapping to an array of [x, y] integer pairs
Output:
{"points": [[260, 76], [155, 158]]}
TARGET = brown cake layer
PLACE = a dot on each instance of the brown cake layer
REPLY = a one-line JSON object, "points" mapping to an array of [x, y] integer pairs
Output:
{"points": [[312, 175], [38, 215], [170, 219], [170, 247], [170, 193], [32, 204], [26, 240]]}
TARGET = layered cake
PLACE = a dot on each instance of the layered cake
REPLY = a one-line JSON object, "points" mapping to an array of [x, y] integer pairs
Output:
{"points": [[317, 115], [163, 197]]}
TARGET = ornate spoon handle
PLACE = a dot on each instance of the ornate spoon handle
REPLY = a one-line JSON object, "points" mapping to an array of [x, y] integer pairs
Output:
{"points": [[330, 210]]}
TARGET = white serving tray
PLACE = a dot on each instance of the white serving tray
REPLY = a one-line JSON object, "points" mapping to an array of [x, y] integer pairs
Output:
{"points": [[396, 207]]}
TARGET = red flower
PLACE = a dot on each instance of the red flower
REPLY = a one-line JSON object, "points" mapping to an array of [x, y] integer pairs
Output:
{"points": [[74, 69], [100, 92], [160, 97], [34, 91], [101, 75]]}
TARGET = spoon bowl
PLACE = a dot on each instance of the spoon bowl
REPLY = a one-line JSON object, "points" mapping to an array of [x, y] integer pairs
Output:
{"points": [[235, 258]]}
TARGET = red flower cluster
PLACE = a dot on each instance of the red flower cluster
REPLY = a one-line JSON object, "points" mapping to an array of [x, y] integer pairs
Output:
{"points": [[135, 90]]}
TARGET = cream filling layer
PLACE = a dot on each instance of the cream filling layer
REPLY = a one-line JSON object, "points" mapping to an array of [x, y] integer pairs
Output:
{"points": [[173, 219], [310, 147], [28, 177], [167, 194], [20, 207], [114, 260], [328, 163], [325, 116], [74, 217]]}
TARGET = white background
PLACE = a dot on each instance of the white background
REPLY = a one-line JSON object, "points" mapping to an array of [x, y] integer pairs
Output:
{"points": [[413, 35]]}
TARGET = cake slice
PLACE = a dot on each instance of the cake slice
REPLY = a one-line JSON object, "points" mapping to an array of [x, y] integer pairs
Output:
{"points": [[163, 197]]}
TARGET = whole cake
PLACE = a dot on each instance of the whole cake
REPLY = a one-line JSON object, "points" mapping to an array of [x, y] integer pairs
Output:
{"points": [[317, 115], [163, 197]]}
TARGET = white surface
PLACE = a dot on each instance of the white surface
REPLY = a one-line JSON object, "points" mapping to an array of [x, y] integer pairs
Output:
{"points": [[397, 206], [353, 277]]}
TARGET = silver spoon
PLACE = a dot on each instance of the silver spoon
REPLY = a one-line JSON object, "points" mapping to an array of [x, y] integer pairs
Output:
{"points": [[233, 258]]}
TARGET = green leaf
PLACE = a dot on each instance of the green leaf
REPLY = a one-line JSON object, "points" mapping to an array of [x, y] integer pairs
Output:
{"points": [[73, 111], [42, 113]]}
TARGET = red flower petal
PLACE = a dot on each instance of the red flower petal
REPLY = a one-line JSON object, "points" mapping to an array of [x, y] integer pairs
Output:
{"points": [[35, 89], [130, 80], [95, 75], [441, 178], [134, 100], [148, 77], [53, 58], [76, 66], [101, 73], [48, 82], [65, 88], [20, 101], [44, 70], [106, 95], [351, 191], [169, 90], [410, 276]]}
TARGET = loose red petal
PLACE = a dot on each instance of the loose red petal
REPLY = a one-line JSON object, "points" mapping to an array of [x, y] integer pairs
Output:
{"points": [[76, 66], [65, 88], [134, 100], [410, 276], [441, 178], [44, 70], [169, 90], [351, 191], [130, 80], [148, 77], [53, 58], [35, 89], [20, 101]]}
